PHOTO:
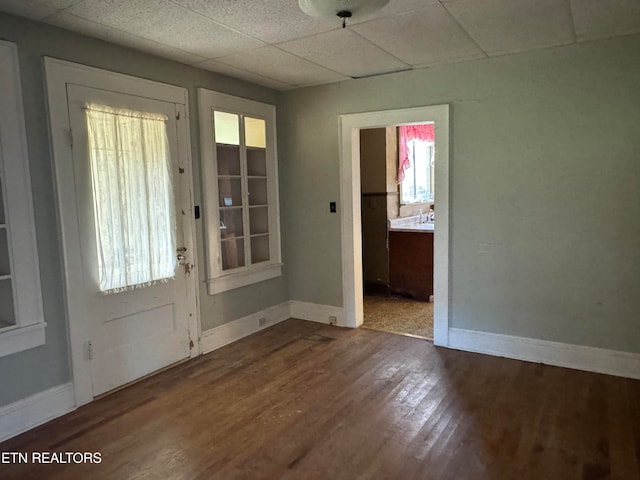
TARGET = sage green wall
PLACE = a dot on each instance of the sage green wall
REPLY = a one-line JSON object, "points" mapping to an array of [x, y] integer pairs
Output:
{"points": [[545, 188], [373, 180], [35, 370]]}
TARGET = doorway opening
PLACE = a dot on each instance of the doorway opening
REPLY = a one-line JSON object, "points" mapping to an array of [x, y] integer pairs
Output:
{"points": [[351, 187], [398, 220]]}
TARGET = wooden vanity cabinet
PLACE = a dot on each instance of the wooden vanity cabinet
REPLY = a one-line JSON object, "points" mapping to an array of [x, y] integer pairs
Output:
{"points": [[411, 264]]}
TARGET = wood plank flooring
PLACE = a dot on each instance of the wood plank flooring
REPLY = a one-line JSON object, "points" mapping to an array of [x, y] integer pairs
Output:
{"points": [[308, 401]]}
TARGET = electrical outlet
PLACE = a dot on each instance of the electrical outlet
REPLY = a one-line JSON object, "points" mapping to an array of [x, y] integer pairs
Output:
{"points": [[262, 322], [333, 320]]}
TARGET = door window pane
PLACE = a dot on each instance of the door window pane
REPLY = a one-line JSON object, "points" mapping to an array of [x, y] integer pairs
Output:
{"points": [[226, 128], [259, 249], [231, 222], [256, 162], [230, 192], [232, 253], [5, 268], [259, 220], [133, 197], [1, 205], [228, 157], [254, 132], [7, 314], [257, 191]]}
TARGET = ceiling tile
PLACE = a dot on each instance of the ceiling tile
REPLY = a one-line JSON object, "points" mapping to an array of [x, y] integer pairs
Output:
{"points": [[271, 21], [344, 51], [165, 22], [395, 7], [272, 62], [502, 26], [97, 30], [57, 4], [597, 18], [214, 66], [421, 38], [25, 8]]}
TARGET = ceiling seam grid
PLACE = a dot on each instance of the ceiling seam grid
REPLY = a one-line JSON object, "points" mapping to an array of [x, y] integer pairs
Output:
{"points": [[219, 23], [469, 36]]}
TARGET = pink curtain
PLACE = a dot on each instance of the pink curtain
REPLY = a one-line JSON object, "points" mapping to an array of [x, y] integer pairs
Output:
{"points": [[423, 132]]}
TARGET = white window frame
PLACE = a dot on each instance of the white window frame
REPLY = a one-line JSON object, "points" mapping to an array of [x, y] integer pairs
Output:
{"points": [[219, 280], [29, 328]]}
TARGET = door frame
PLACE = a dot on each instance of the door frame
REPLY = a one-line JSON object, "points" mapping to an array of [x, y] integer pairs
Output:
{"points": [[58, 74], [349, 132]]}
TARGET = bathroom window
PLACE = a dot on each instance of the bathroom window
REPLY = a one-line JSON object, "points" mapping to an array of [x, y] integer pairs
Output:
{"points": [[241, 190], [416, 163]]}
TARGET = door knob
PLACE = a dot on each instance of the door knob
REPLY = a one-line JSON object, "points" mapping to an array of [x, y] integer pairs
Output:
{"points": [[181, 255]]}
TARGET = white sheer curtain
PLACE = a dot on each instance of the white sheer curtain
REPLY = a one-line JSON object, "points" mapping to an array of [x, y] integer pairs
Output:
{"points": [[132, 196]]}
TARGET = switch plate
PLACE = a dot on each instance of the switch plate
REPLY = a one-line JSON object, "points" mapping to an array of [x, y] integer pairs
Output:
{"points": [[332, 207]]}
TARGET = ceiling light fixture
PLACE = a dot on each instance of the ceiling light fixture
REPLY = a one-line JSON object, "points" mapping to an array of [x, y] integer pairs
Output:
{"points": [[342, 9]]}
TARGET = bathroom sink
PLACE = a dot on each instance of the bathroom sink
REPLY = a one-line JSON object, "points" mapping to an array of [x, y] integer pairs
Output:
{"points": [[413, 227]]}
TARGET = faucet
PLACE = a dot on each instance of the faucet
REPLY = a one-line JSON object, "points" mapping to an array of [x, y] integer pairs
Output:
{"points": [[431, 216]]}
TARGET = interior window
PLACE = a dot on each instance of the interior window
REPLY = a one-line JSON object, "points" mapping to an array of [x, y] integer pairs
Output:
{"points": [[22, 324], [241, 191]]}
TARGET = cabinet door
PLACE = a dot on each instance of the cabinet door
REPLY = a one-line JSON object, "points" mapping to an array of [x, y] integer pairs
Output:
{"points": [[411, 264]]}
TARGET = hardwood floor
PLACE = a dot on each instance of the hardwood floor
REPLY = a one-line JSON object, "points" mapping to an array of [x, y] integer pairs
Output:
{"points": [[308, 401]]}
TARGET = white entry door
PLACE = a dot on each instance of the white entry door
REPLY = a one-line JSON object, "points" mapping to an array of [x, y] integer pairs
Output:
{"points": [[133, 288]]}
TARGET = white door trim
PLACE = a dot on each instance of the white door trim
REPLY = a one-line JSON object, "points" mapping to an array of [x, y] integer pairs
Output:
{"points": [[59, 73], [350, 126]]}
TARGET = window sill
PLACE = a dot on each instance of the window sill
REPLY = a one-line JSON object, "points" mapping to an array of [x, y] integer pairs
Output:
{"points": [[242, 279], [16, 339]]}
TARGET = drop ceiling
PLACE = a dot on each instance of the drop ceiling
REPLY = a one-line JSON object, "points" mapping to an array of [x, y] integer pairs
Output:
{"points": [[272, 43]]}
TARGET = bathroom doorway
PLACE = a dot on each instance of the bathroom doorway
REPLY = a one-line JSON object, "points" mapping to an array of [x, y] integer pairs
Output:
{"points": [[397, 183], [350, 183]]}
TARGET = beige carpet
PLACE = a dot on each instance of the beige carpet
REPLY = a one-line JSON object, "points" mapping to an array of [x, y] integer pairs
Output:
{"points": [[399, 315]]}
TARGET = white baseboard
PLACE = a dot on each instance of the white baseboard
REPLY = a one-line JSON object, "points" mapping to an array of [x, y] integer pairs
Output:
{"points": [[230, 332], [315, 312], [591, 359], [35, 410]]}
